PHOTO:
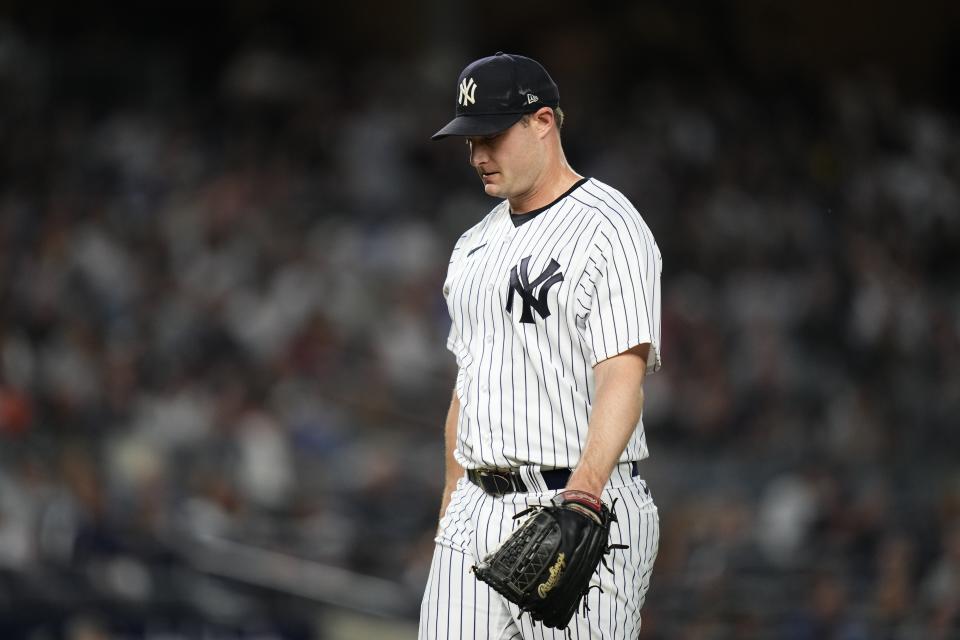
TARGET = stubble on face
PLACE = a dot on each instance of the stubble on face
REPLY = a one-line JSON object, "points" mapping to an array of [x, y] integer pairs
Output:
{"points": [[504, 161]]}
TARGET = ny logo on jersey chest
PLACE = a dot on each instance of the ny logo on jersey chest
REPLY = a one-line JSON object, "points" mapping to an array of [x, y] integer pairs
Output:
{"points": [[521, 284]]}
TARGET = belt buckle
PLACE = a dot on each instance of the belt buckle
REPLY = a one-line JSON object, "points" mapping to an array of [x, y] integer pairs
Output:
{"points": [[501, 481]]}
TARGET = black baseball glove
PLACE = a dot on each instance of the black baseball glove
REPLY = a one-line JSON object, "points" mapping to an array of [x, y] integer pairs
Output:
{"points": [[545, 566]]}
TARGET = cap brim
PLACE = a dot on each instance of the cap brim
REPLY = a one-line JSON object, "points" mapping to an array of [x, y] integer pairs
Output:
{"points": [[484, 125]]}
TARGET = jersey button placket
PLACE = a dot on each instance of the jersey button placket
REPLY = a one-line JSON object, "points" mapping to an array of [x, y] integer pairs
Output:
{"points": [[482, 442]]}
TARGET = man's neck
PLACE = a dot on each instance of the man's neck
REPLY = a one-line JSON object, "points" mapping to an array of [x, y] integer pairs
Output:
{"points": [[550, 189]]}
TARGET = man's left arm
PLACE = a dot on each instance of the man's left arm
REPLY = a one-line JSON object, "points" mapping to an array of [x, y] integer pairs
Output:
{"points": [[617, 405]]}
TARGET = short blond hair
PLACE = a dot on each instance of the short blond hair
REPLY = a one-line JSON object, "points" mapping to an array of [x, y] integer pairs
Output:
{"points": [[558, 116]]}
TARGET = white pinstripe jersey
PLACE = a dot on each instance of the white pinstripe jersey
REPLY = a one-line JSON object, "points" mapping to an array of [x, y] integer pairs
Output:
{"points": [[535, 302]]}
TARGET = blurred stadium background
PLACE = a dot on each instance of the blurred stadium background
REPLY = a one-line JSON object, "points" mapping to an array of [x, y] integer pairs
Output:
{"points": [[222, 237]]}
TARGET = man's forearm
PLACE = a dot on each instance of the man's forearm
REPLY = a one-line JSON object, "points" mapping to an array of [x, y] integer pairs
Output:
{"points": [[452, 469], [617, 406]]}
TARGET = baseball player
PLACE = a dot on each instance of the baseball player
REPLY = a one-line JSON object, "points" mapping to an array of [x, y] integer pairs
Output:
{"points": [[554, 298]]}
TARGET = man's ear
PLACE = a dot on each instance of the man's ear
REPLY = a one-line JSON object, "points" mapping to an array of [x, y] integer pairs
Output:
{"points": [[543, 120]]}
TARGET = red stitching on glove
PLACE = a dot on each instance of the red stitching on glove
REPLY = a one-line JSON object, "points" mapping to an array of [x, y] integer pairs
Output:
{"points": [[583, 498]]}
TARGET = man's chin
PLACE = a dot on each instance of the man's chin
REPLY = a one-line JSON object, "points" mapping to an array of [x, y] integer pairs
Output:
{"points": [[492, 189]]}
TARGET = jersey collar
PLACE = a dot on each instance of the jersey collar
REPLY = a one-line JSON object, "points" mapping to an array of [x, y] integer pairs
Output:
{"points": [[520, 218]]}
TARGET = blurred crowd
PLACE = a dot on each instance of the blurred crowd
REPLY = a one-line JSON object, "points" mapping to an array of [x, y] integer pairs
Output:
{"points": [[220, 319]]}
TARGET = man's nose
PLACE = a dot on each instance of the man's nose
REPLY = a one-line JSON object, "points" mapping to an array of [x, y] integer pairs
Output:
{"points": [[478, 155]]}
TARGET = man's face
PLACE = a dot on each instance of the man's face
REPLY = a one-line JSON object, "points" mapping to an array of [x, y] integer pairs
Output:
{"points": [[509, 162]]}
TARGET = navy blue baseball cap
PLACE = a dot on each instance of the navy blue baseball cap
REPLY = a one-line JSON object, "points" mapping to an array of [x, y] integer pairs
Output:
{"points": [[494, 92]]}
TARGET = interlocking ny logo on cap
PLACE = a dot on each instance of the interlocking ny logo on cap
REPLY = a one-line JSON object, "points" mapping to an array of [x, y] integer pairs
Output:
{"points": [[467, 88]]}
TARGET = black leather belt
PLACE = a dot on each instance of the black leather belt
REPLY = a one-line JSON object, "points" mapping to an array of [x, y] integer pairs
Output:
{"points": [[498, 482]]}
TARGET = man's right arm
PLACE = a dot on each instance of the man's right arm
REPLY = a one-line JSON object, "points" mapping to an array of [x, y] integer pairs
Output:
{"points": [[453, 470]]}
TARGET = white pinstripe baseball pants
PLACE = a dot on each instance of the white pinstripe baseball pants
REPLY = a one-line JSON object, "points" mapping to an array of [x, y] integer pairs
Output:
{"points": [[457, 606]]}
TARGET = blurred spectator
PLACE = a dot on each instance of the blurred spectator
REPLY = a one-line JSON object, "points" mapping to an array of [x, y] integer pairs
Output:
{"points": [[220, 318]]}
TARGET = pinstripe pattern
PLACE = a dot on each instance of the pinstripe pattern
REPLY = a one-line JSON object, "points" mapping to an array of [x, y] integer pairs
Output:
{"points": [[456, 605], [526, 390]]}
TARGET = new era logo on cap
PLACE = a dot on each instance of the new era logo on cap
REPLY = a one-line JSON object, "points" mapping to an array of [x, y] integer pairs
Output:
{"points": [[494, 92]]}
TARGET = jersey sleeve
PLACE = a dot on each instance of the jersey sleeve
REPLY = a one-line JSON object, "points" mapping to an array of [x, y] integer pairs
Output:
{"points": [[623, 273], [454, 343]]}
